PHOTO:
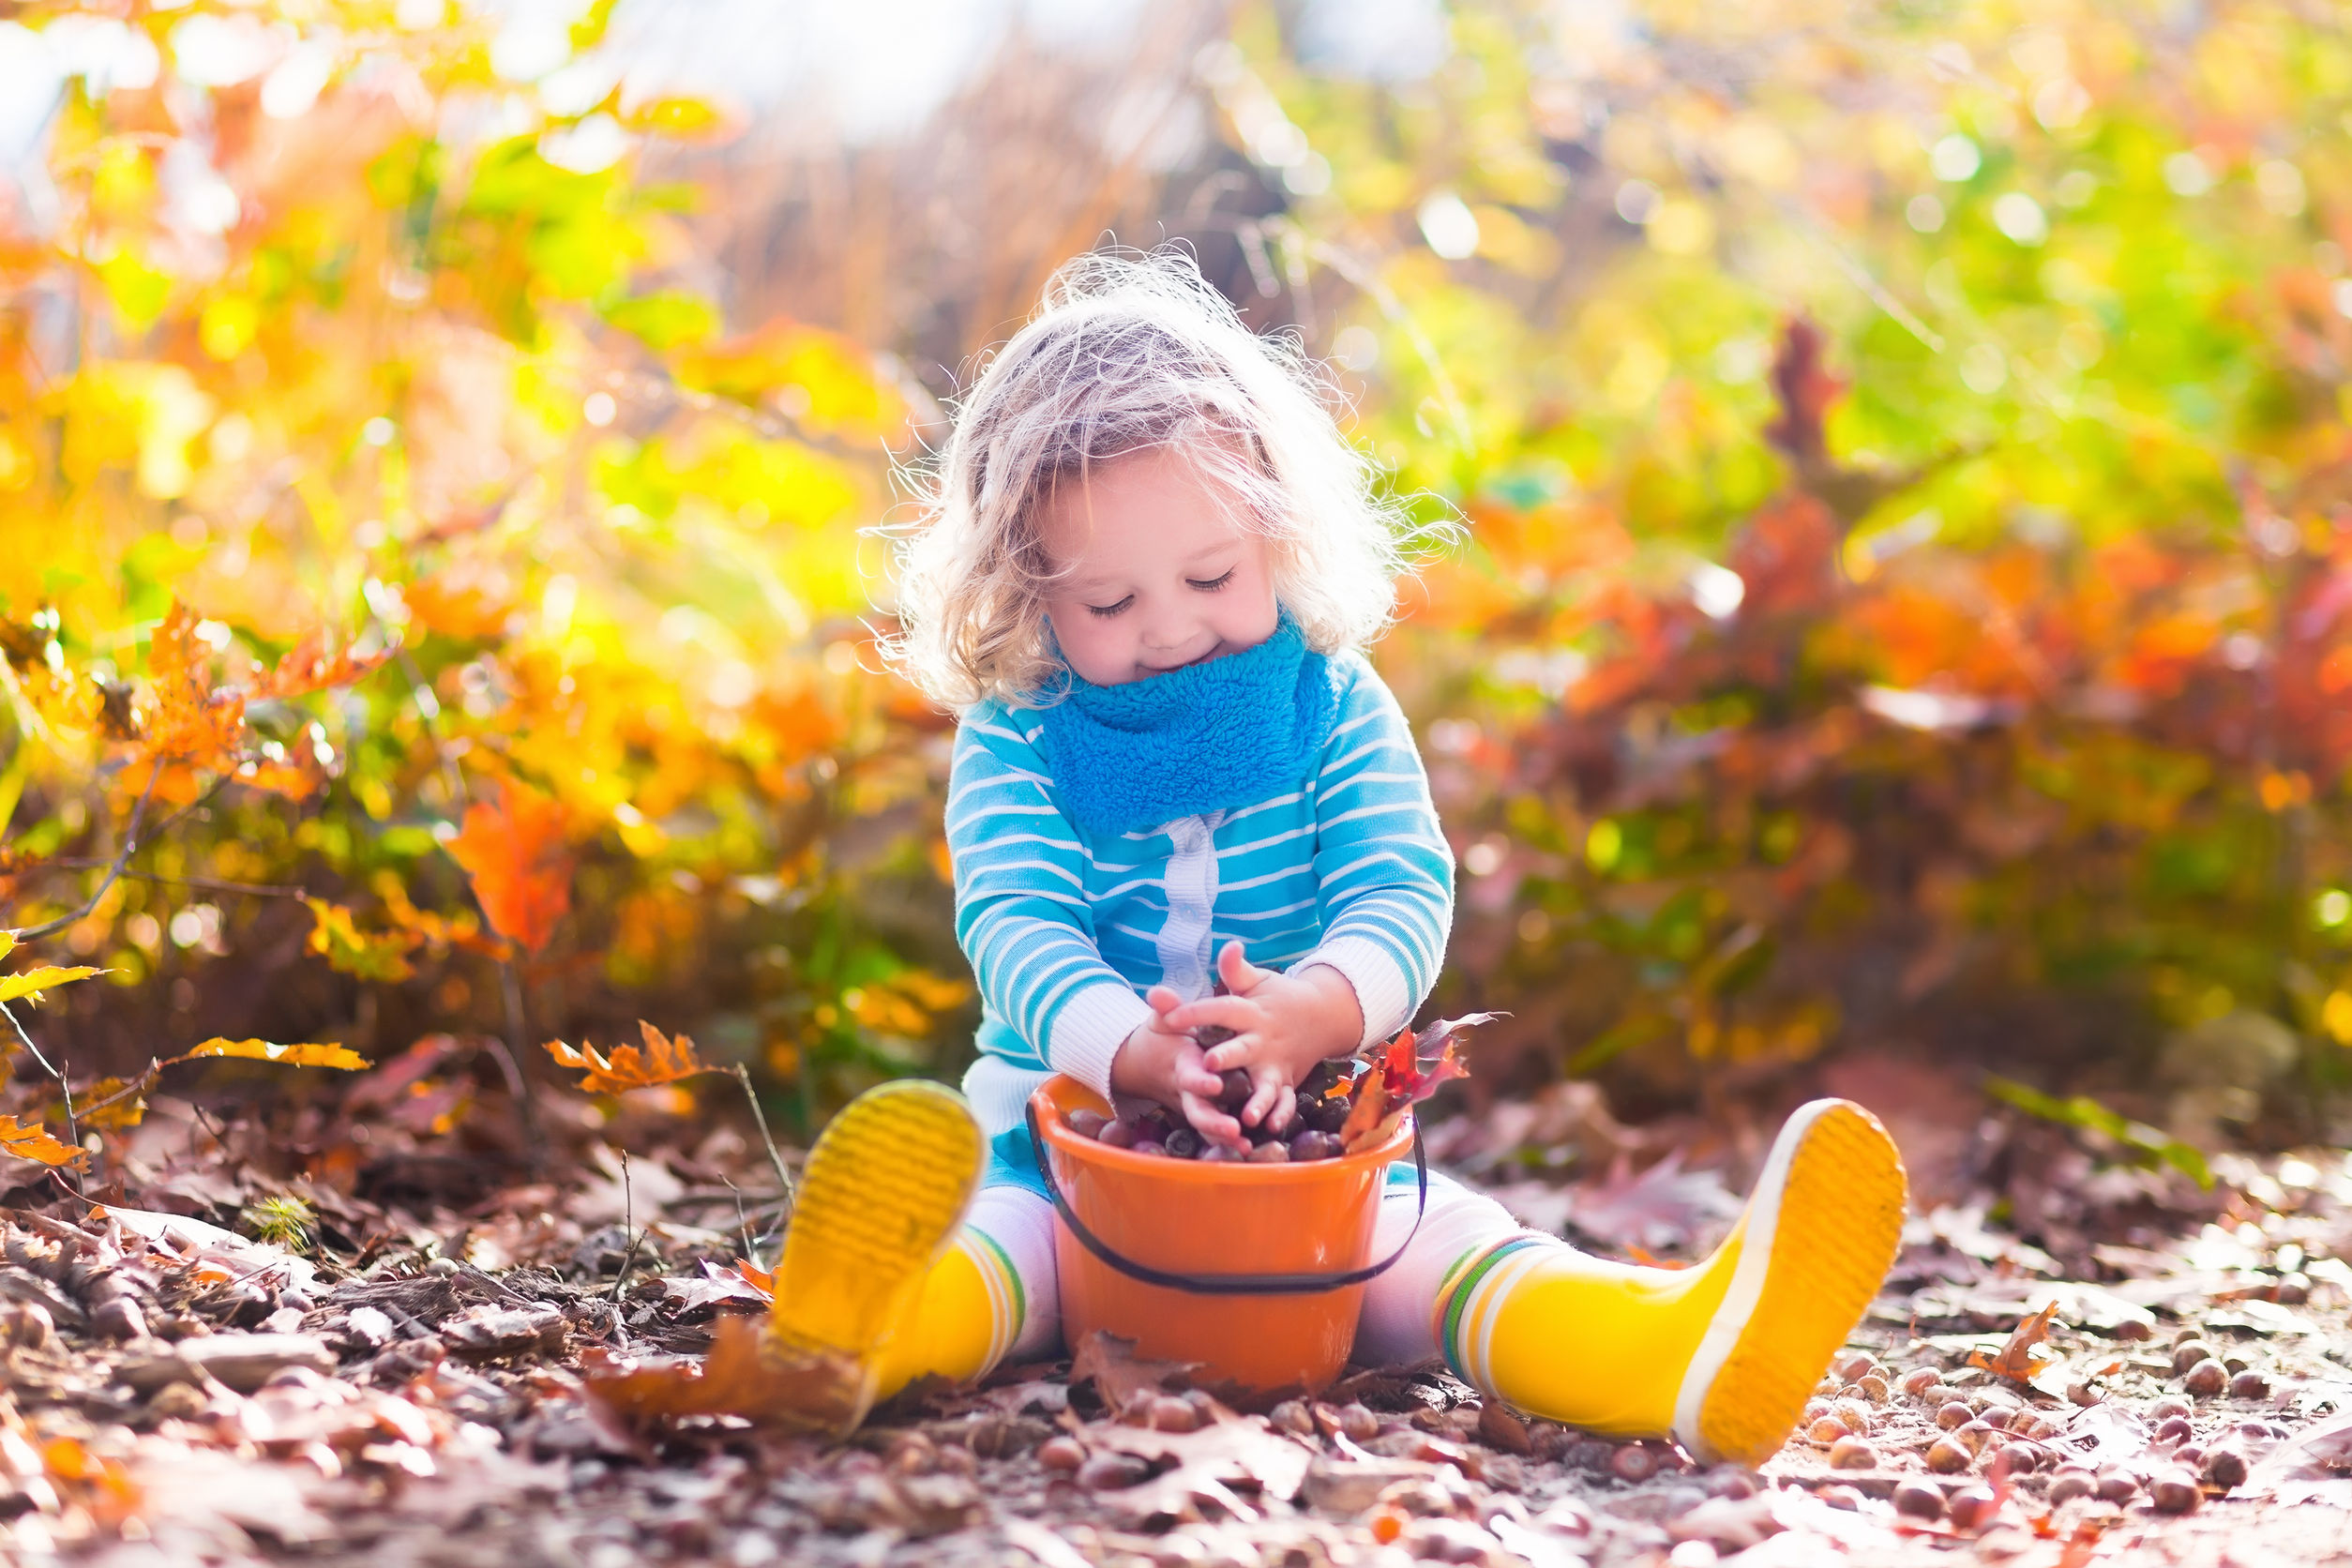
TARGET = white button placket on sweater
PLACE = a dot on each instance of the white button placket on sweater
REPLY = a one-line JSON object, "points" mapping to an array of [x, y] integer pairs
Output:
{"points": [[1192, 893]]}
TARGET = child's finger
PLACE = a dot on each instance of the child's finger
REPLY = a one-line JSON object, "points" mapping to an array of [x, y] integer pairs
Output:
{"points": [[1233, 1012], [1226, 1055], [1211, 1122], [1195, 1077], [1239, 973], [1262, 1099], [1163, 999]]}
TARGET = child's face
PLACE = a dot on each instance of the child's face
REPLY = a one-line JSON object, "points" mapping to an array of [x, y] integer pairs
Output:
{"points": [[1159, 572]]}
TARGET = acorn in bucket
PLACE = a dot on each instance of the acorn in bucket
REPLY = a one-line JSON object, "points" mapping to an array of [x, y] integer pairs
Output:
{"points": [[1251, 1264]]}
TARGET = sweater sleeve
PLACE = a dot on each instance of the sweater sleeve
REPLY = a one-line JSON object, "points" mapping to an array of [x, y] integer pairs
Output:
{"points": [[1022, 914], [1383, 871]]}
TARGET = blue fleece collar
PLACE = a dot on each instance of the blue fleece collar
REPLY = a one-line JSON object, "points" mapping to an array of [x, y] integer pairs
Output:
{"points": [[1208, 737]]}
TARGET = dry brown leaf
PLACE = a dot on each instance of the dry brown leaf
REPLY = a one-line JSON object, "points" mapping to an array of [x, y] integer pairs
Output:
{"points": [[2017, 1361], [32, 1142], [663, 1060], [285, 1056], [1119, 1376], [736, 1379]]}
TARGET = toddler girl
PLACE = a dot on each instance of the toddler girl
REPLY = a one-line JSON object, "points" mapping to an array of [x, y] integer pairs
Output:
{"points": [[1150, 562]]}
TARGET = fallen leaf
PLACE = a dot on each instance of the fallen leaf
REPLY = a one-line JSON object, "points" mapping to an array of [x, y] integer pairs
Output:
{"points": [[513, 849], [663, 1060], [32, 1142], [285, 1056], [737, 1378], [2017, 1361], [1236, 1450], [1119, 1375]]}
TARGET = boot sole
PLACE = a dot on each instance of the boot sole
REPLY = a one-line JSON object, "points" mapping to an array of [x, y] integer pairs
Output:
{"points": [[884, 1189], [1822, 1230]]}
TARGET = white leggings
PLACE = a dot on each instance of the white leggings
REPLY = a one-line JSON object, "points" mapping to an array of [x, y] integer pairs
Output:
{"points": [[1395, 1329]]}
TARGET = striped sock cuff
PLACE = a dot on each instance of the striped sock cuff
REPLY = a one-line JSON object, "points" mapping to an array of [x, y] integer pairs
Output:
{"points": [[1008, 1305], [1468, 1298]]}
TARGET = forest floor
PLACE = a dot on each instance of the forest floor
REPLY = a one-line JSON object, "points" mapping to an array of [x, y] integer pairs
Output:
{"points": [[416, 1384]]}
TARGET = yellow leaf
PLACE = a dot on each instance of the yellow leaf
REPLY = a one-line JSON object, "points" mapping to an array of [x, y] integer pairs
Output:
{"points": [[34, 981], [33, 1142], [663, 1061], [113, 1104], [285, 1056], [8, 943]]}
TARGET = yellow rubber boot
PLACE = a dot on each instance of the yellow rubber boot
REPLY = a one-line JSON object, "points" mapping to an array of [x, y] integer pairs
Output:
{"points": [[884, 1191], [1721, 1357], [970, 1310]]}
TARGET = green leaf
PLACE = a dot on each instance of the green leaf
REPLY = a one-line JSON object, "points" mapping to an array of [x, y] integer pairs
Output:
{"points": [[2081, 1111]]}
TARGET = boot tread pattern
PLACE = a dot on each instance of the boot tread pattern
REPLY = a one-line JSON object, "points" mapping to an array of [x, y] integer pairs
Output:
{"points": [[1840, 1221]]}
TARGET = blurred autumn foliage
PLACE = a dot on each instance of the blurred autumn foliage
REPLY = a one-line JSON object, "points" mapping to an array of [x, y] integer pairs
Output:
{"points": [[1906, 608]]}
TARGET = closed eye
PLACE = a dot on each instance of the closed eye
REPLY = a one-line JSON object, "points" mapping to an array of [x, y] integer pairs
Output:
{"points": [[1212, 587], [1110, 610]]}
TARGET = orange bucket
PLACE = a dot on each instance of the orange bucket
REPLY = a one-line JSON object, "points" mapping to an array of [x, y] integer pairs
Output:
{"points": [[1257, 1270]]}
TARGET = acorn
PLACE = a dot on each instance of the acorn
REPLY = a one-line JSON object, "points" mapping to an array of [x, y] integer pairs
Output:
{"points": [[1237, 1089], [1972, 1437], [1971, 1507], [2132, 1329], [1633, 1462], [1107, 1472], [2175, 1429], [1060, 1453], [1151, 1146], [2169, 1406], [1852, 1453], [1357, 1423], [1292, 1416], [1223, 1153], [2115, 1487], [1946, 1458], [1953, 1414], [1920, 1381], [1088, 1124], [2017, 1457], [2206, 1379], [27, 1324], [1842, 1497], [119, 1318], [2070, 1483], [1827, 1430], [2173, 1494], [1873, 1388], [1183, 1143], [2226, 1468], [2188, 1353], [2249, 1385], [1170, 1413], [1270, 1152], [1919, 1501], [1118, 1135], [1861, 1365]]}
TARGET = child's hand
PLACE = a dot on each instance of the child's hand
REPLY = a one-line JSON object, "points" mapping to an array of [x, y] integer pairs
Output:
{"points": [[1284, 1024], [1164, 1063]]}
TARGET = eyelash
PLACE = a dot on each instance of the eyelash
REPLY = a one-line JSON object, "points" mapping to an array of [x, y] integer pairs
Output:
{"points": [[1205, 587]]}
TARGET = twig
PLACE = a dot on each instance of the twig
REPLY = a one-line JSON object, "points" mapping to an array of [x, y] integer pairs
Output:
{"points": [[628, 1223], [776, 1158], [742, 1225], [509, 1055], [131, 847], [203, 884], [73, 1130]]}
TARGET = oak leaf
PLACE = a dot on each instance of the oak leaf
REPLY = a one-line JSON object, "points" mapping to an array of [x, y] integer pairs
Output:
{"points": [[194, 723], [2017, 1361], [740, 1377], [113, 1104], [311, 665], [663, 1060], [285, 1056], [513, 849], [32, 1142], [1407, 1071]]}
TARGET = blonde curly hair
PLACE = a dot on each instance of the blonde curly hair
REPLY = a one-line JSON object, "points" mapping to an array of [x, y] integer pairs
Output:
{"points": [[1128, 355]]}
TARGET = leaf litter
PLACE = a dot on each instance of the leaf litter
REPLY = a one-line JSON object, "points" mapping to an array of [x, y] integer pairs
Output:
{"points": [[436, 1368]]}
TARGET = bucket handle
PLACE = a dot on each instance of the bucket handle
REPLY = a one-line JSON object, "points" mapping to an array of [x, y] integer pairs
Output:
{"points": [[1225, 1284]]}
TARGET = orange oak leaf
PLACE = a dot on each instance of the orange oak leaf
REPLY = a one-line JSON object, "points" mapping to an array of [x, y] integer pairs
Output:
{"points": [[2017, 1361], [743, 1375], [1407, 1071], [194, 723], [662, 1061], [513, 849], [30, 1141], [313, 665]]}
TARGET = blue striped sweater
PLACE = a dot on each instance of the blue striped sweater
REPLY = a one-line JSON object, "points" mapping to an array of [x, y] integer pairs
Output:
{"points": [[1065, 930]]}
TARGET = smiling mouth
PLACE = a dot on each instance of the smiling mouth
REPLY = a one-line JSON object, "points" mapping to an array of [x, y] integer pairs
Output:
{"points": [[1171, 669]]}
